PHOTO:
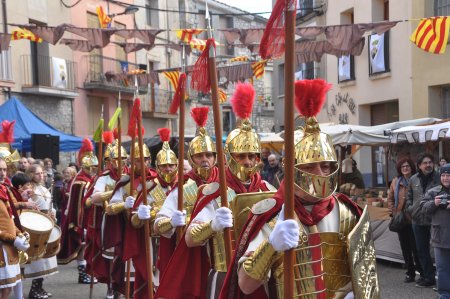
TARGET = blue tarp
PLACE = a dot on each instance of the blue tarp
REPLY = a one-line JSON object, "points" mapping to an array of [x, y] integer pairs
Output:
{"points": [[28, 123]]}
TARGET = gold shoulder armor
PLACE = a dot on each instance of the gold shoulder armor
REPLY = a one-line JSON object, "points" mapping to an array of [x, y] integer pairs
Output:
{"points": [[263, 206]]}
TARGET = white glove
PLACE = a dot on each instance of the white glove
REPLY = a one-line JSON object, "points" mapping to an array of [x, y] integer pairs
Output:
{"points": [[224, 218], [178, 218], [285, 234], [129, 202], [144, 212], [21, 243]]}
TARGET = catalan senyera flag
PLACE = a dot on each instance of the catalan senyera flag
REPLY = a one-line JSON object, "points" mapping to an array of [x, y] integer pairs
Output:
{"points": [[222, 95], [103, 18], [173, 77], [239, 58], [186, 35], [258, 68], [21, 33], [431, 35], [199, 44]]}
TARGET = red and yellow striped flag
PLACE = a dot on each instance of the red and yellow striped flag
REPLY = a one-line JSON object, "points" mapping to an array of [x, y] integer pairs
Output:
{"points": [[431, 35], [239, 58], [258, 68], [186, 35], [222, 95], [103, 18], [199, 44], [21, 33], [173, 77]]}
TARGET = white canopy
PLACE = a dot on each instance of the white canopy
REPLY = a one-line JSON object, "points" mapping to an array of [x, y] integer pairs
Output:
{"points": [[368, 135], [421, 134]]}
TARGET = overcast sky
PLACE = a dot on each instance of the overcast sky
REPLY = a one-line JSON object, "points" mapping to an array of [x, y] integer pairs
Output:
{"points": [[250, 5]]}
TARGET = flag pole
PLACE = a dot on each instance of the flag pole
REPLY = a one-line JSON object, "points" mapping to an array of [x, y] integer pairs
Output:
{"points": [[181, 143], [218, 133], [289, 141], [147, 238]]}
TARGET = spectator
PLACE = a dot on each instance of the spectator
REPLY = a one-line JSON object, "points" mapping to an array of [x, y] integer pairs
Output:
{"points": [[39, 162], [396, 203], [273, 169], [352, 182], [436, 204], [48, 168], [443, 161], [265, 153], [23, 164], [425, 179], [31, 161], [74, 165], [58, 194], [186, 166]]}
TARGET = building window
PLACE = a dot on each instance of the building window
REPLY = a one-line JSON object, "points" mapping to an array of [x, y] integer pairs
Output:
{"points": [[228, 120], [378, 53], [308, 70], [441, 7], [152, 13], [95, 61], [346, 68], [446, 102], [120, 52], [305, 7], [281, 79]]}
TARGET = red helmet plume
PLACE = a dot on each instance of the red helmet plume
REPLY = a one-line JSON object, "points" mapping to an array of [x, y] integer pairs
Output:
{"points": [[164, 134], [243, 99], [310, 96], [200, 115], [7, 134], [108, 137]]}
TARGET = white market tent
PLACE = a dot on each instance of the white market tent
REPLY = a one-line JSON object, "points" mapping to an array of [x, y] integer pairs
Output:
{"points": [[369, 135], [421, 134]]}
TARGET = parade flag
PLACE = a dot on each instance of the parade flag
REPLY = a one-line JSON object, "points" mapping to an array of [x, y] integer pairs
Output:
{"points": [[113, 120], [21, 33], [258, 68], [105, 21], [222, 95], [186, 35], [239, 58], [199, 44], [431, 35], [173, 77], [99, 131]]}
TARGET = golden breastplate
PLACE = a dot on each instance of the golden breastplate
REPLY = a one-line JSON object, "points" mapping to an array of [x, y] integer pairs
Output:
{"points": [[159, 196], [190, 190], [322, 264]]}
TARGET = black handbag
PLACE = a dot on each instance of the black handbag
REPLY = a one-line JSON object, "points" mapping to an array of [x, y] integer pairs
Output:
{"points": [[398, 222]]}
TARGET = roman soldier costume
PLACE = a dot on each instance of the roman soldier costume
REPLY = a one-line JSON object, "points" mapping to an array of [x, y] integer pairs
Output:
{"points": [[334, 254], [206, 261]]}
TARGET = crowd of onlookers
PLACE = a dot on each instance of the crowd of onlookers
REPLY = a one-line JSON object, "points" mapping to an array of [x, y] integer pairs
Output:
{"points": [[420, 191]]}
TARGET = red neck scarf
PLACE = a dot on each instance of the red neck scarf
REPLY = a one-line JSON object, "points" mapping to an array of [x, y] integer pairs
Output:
{"points": [[213, 177], [318, 212], [255, 185]]}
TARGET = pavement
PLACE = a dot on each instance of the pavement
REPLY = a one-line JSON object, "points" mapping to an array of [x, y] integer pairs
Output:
{"points": [[65, 284]]}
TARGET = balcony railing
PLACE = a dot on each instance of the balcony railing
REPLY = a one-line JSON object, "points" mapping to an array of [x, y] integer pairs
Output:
{"points": [[102, 70], [47, 71], [5, 65]]}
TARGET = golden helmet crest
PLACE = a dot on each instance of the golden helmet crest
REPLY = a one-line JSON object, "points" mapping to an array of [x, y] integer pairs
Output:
{"points": [[137, 152], [112, 151], [89, 160]]}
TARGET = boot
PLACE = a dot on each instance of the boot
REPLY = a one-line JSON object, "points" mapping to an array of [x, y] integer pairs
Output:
{"points": [[41, 289], [83, 277], [35, 292], [110, 294]]}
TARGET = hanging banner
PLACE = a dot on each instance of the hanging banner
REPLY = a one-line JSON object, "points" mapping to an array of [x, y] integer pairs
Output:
{"points": [[59, 72], [344, 68], [377, 55]]}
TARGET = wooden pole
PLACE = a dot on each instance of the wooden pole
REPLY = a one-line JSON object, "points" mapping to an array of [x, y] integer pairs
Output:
{"points": [[289, 143], [144, 201]]}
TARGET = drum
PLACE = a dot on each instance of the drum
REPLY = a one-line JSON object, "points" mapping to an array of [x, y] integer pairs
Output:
{"points": [[39, 226], [53, 244]]}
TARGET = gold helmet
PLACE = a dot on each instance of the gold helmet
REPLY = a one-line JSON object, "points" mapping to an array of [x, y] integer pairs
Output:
{"points": [[166, 156], [86, 155], [6, 138], [202, 143], [112, 147], [137, 152], [315, 146], [243, 139]]}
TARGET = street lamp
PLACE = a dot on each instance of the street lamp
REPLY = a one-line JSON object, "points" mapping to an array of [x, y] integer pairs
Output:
{"points": [[129, 10]]}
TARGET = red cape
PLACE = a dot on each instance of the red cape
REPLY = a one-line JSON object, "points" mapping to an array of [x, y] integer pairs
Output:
{"points": [[188, 268], [72, 237]]}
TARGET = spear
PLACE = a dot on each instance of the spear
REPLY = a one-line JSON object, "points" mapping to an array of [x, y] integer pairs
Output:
{"points": [[137, 103], [218, 132], [289, 140], [181, 86]]}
